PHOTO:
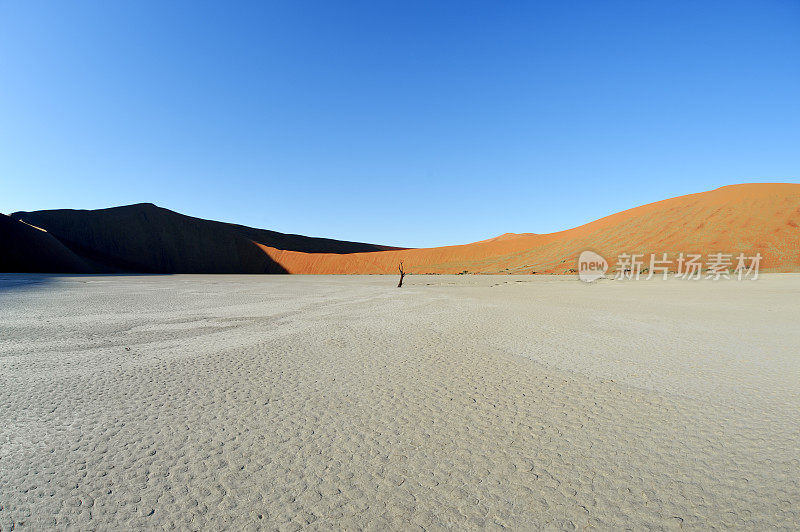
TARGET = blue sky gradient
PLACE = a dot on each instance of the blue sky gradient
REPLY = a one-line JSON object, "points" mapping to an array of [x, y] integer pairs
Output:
{"points": [[403, 123]]}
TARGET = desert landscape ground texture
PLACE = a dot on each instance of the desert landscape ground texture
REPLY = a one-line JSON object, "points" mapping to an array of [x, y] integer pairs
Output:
{"points": [[341, 402]]}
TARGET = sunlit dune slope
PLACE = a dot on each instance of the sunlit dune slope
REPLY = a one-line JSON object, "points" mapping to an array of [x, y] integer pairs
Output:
{"points": [[750, 218]]}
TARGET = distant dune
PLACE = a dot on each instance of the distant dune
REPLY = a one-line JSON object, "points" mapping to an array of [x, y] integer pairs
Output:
{"points": [[748, 218]]}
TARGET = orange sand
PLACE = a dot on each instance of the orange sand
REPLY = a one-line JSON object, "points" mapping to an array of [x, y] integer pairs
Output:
{"points": [[749, 218]]}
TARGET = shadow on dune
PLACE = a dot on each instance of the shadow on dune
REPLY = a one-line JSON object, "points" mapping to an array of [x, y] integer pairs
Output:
{"points": [[148, 239], [25, 248]]}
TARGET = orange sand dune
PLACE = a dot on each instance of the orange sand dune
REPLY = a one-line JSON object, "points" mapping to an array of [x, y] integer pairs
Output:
{"points": [[750, 218]]}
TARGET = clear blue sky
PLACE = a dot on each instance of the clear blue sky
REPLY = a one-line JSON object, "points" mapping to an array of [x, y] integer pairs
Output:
{"points": [[406, 123]]}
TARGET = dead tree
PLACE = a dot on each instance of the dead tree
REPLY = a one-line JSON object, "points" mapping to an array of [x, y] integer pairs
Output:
{"points": [[402, 273]]}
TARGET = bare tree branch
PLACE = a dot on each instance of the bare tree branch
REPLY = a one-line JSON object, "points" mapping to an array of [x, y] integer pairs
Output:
{"points": [[402, 273]]}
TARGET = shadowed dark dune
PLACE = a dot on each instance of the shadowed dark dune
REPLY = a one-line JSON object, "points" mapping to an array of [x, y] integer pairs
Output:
{"points": [[27, 249], [147, 238]]}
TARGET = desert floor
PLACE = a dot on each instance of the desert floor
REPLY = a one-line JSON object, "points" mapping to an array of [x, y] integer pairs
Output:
{"points": [[342, 402]]}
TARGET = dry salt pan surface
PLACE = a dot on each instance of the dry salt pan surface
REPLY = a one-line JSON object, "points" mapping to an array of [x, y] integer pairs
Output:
{"points": [[471, 402]]}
